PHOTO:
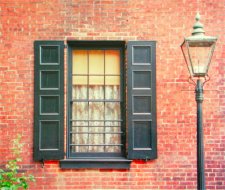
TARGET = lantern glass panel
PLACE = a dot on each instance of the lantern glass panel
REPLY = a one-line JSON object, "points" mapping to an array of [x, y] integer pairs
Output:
{"points": [[184, 48], [200, 54]]}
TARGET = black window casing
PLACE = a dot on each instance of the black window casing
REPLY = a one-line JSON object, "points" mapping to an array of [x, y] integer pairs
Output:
{"points": [[98, 45]]}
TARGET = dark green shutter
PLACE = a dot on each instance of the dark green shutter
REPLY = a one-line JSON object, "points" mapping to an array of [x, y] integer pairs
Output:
{"points": [[48, 100], [142, 140]]}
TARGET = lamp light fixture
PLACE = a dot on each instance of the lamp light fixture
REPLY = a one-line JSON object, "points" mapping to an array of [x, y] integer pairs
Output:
{"points": [[198, 50]]}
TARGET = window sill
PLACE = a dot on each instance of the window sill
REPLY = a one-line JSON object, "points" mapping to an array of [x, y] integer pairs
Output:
{"points": [[101, 163]]}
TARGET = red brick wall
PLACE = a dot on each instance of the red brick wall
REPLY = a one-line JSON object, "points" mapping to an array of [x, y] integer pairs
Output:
{"points": [[167, 22]]}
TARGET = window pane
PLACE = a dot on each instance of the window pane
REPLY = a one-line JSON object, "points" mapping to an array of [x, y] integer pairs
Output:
{"points": [[96, 139], [112, 92], [96, 127], [79, 80], [80, 111], [96, 80], [96, 62], [75, 149], [99, 124], [112, 80], [79, 88], [112, 111], [96, 92], [110, 124], [79, 92], [96, 149], [113, 139], [80, 62], [96, 111], [80, 126], [112, 62], [113, 149], [112, 129], [80, 139]]}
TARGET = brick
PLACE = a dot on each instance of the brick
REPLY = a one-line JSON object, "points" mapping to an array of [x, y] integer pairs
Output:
{"points": [[167, 22]]}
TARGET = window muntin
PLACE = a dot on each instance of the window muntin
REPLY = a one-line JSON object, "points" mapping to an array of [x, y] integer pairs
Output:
{"points": [[95, 125]]}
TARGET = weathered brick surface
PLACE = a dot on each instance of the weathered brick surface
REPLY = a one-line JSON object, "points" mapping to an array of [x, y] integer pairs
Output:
{"points": [[23, 21]]}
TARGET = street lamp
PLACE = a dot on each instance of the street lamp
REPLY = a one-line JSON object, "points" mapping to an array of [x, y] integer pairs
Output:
{"points": [[198, 50]]}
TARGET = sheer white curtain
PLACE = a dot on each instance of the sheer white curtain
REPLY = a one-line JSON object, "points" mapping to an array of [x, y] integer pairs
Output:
{"points": [[92, 132]]}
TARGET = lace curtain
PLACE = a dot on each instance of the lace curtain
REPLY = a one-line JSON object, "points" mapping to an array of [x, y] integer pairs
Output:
{"points": [[89, 133]]}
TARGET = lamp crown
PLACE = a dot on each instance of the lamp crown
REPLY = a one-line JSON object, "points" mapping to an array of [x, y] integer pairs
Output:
{"points": [[198, 26]]}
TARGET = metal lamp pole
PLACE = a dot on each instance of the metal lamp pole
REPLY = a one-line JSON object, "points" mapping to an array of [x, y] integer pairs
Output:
{"points": [[200, 144]]}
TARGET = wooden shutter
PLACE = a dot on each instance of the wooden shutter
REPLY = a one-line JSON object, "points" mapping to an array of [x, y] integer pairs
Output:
{"points": [[48, 100], [142, 140]]}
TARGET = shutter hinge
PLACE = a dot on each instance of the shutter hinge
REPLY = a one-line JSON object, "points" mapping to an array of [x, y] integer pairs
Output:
{"points": [[146, 158], [65, 46], [125, 46], [42, 163]]}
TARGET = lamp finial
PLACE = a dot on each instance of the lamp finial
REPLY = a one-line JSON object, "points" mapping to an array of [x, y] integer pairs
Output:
{"points": [[198, 26]]}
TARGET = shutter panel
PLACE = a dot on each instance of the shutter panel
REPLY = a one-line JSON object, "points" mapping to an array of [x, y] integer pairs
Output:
{"points": [[142, 140], [48, 100]]}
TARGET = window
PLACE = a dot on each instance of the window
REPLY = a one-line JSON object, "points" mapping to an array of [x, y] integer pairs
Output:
{"points": [[96, 102], [111, 110]]}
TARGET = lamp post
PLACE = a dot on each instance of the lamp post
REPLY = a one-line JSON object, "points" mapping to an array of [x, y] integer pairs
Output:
{"points": [[198, 50]]}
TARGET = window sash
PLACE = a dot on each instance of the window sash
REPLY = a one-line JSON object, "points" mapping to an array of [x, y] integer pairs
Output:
{"points": [[119, 100]]}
